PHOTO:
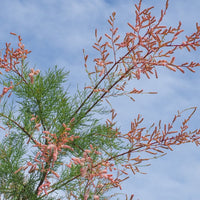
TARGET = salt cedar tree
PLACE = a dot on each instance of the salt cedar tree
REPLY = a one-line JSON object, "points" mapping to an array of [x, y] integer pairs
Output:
{"points": [[55, 142]]}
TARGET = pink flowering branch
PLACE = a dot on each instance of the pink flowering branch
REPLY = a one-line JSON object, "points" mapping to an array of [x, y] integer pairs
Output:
{"points": [[147, 47]]}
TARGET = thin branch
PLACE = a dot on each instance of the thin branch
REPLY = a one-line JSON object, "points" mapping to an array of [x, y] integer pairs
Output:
{"points": [[19, 126], [117, 81], [106, 74], [75, 177], [101, 97]]}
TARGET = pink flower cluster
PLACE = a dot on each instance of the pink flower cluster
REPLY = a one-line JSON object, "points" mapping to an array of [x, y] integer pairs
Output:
{"points": [[32, 74]]}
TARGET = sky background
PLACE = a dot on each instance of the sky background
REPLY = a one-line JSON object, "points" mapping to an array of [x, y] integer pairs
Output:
{"points": [[56, 31]]}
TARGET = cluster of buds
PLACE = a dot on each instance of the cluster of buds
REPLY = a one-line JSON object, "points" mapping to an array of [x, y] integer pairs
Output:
{"points": [[92, 171], [6, 89], [12, 57], [32, 74]]}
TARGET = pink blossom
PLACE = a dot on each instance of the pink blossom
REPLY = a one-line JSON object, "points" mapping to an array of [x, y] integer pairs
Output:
{"points": [[96, 197]]}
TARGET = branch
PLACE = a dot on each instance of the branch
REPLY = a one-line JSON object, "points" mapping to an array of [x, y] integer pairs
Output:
{"points": [[101, 97], [19, 126], [75, 177], [106, 74]]}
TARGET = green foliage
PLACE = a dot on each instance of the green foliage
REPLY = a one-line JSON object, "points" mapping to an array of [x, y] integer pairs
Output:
{"points": [[12, 155], [52, 106]]}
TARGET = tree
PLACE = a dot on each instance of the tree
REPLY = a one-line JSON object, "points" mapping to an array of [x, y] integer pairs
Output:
{"points": [[56, 142]]}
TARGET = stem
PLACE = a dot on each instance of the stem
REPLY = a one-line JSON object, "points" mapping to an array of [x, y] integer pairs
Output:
{"points": [[109, 89], [47, 165], [44, 174], [19, 126], [63, 184], [117, 81], [113, 66]]}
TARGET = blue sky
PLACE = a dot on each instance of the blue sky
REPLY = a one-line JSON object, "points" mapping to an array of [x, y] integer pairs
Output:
{"points": [[56, 31]]}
